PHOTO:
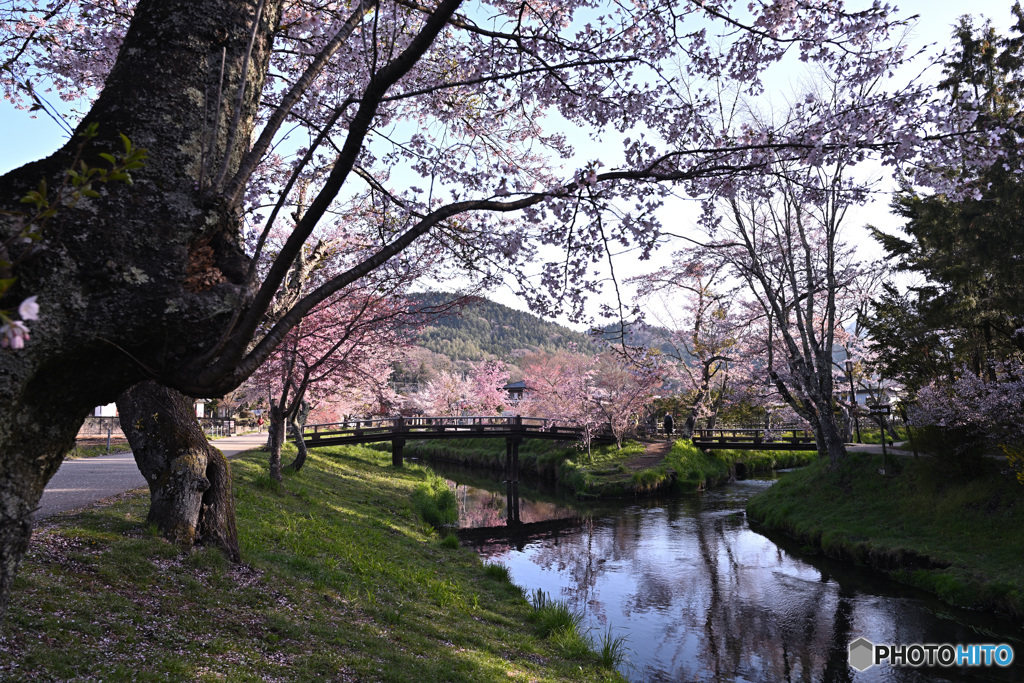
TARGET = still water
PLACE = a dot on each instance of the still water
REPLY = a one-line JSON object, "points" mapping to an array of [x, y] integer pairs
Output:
{"points": [[700, 596]]}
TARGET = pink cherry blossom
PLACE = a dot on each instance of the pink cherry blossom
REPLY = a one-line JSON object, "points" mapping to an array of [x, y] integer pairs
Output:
{"points": [[29, 309], [13, 334]]}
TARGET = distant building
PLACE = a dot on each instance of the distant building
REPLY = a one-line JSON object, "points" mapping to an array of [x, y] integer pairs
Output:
{"points": [[109, 410], [515, 390]]}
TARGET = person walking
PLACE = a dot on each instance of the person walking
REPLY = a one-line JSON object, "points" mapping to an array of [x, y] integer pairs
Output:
{"points": [[668, 424]]}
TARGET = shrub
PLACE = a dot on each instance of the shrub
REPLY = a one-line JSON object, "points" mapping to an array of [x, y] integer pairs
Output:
{"points": [[611, 650], [554, 615], [435, 502], [498, 572]]}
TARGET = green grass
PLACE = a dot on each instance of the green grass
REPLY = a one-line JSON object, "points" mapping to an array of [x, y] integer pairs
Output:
{"points": [[536, 456], [498, 572], [604, 474], [601, 474], [96, 451], [611, 649], [553, 616], [435, 502], [342, 580], [697, 470], [874, 434], [962, 539]]}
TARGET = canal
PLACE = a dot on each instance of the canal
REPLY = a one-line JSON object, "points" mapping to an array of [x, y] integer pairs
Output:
{"points": [[701, 596]]}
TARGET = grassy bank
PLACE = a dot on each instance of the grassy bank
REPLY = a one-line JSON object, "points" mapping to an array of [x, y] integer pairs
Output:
{"points": [[536, 457], [697, 470], [605, 475], [342, 580], [602, 474], [962, 540]]}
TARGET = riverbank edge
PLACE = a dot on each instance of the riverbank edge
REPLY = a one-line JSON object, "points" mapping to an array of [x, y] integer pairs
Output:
{"points": [[341, 580], [685, 469], [856, 514]]}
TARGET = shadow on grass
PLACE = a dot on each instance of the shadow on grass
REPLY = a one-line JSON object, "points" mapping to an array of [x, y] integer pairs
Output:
{"points": [[341, 581]]}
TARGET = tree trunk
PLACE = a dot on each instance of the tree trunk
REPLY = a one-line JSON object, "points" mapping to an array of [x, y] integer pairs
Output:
{"points": [[713, 417], [143, 278], [298, 423], [686, 431], [816, 407], [827, 435], [847, 427], [276, 434], [189, 480]]}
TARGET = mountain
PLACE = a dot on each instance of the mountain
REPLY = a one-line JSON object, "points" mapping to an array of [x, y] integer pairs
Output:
{"points": [[650, 336], [486, 329]]}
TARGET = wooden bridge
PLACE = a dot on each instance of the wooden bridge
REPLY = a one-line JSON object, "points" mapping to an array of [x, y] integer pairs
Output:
{"points": [[755, 439], [398, 430]]}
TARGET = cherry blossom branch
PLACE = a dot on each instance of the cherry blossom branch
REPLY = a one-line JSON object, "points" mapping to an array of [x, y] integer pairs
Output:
{"points": [[234, 189], [358, 128], [242, 82], [214, 375]]}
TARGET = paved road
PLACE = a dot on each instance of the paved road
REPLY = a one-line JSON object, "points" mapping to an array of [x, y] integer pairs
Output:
{"points": [[84, 481]]}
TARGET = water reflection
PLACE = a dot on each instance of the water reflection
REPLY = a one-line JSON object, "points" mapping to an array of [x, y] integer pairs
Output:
{"points": [[702, 597]]}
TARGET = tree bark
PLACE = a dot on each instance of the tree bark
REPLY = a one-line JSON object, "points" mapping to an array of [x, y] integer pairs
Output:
{"points": [[830, 441], [191, 500], [816, 407], [276, 434], [686, 431], [298, 423]]}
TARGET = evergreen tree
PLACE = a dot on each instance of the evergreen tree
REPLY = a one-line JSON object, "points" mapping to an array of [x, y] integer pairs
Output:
{"points": [[970, 309]]}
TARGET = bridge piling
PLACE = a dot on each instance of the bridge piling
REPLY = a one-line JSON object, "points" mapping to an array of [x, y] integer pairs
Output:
{"points": [[512, 458], [397, 445], [512, 490]]}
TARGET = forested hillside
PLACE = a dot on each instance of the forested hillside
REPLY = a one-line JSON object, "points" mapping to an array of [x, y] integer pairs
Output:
{"points": [[486, 329]]}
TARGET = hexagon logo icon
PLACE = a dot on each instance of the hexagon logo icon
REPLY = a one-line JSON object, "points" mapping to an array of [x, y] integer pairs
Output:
{"points": [[862, 654]]}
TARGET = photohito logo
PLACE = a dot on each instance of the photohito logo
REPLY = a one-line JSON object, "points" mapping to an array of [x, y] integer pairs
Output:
{"points": [[864, 654]]}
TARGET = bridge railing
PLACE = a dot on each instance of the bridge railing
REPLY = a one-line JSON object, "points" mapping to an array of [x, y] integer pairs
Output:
{"points": [[411, 425]]}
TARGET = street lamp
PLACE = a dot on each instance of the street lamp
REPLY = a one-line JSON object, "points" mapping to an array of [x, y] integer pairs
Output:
{"points": [[853, 397]]}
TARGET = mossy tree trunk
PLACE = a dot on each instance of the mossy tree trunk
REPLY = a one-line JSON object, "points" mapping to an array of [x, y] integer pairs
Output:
{"points": [[191, 500], [143, 279]]}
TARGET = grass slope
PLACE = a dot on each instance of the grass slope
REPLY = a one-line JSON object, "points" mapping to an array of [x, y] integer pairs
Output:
{"points": [[342, 581], [962, 540]]}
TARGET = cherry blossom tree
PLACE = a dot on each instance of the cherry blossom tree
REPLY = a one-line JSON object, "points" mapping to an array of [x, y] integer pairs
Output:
{"points": [[344, 347], [780, 235], [478, 392], [442, 395], [687, 299], [785, 246], [560, 387], [622, 391], [424, 116], [487, 394], [974, 414]]}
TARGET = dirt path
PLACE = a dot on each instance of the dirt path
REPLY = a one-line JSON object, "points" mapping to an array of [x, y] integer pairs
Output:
{"points": [[654, 453]]}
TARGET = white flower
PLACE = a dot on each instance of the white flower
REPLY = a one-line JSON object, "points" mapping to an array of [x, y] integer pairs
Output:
{"points": [[29, 309], [13, 334]]}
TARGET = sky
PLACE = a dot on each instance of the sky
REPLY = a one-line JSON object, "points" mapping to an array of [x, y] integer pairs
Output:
{"points": [[26, 137]]}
